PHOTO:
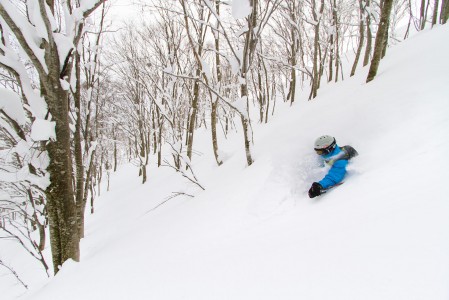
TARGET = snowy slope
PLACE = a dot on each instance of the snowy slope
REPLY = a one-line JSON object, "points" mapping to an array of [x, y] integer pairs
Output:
{"points": [[254, 233]]}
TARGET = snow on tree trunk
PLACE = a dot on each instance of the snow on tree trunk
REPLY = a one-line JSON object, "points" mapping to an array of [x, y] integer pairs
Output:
{"points": [[48, 47]]}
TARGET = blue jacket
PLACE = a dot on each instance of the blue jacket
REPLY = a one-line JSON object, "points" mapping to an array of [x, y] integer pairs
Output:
{"points": [[338, 168]]}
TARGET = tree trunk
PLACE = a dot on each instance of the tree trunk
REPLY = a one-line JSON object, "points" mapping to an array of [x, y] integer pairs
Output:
{"points": [[213, 116], [316, 49], [199, 69], [315, 76], [444, 14], [369, 36], [267, 89], [61, 206], [331, 59], [423, 14], [381, 36], [214, 103], [79, 180], [192, 117], [384, 49], [435, 12], [159, 140], [82, 205], [260, 91], [248, 51], [115, 150], [293, 61], [362, 37], [245, 125], [336, 50]]}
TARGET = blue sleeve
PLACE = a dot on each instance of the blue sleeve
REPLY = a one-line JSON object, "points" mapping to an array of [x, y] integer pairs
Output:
{"points": [[335, 175]]}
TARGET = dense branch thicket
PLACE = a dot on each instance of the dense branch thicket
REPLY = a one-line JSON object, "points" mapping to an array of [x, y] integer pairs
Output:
{"points": [[198, 63]]}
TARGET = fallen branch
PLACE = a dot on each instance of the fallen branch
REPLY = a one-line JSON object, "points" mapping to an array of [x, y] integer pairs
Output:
{"points": [[193, 180], [14, 273], [175, 194]]}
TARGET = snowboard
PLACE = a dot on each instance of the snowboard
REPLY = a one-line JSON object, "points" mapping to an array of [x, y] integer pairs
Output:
{"points": [[324, 191]]}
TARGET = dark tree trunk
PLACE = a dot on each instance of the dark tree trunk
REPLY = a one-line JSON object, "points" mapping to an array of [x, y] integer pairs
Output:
{"points": [[381, 37], [61, 206], [79, 180], [435, 12], [444, 14], [384, 49]]}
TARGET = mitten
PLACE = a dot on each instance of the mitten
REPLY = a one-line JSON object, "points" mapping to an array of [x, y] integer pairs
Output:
{"points": [[315, 190]]}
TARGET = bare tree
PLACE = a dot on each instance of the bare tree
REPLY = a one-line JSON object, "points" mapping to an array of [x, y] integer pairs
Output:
{"points": [[199, 30], [45, 47]]}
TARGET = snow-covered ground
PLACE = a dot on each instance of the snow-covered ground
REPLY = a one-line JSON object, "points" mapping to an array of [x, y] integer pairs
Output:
{"points": [[255, 234]]}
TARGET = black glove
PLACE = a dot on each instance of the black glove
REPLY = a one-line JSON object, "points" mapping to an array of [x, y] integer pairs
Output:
{"points": [[315, 190]]}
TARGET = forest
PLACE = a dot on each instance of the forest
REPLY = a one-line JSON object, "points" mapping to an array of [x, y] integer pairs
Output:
{"points": [[79, 97]]}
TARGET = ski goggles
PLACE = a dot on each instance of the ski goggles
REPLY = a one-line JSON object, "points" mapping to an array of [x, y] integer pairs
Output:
{"points": [[325, 151]]}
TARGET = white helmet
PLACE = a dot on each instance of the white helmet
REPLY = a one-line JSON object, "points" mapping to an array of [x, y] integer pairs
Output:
{"points": [[325, 144]]}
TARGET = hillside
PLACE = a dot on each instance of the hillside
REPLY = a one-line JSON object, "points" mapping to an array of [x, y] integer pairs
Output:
{"points": [[255, 234]]}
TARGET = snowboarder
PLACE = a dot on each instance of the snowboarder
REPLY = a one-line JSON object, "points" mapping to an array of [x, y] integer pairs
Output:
{"points": [[337, 158]]}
